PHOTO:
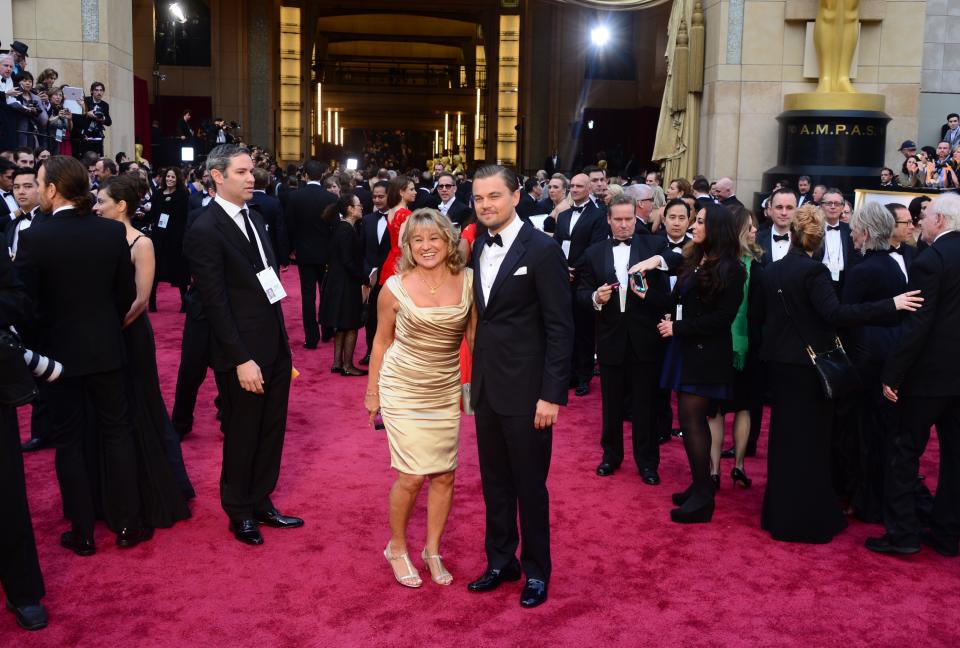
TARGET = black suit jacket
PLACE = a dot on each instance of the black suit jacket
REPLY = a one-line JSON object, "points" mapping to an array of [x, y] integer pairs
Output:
{"points": [[425, 198], [591, 228], [877, 276], [926, 360], [309, 233], [244, 325], [524, 339], [79, 277], [374, 250], [272, 213], [527, 206], [552, 166], [637, 325], [195, 201], [459, 213], [366, 198], [814, 309], [731, 201]]}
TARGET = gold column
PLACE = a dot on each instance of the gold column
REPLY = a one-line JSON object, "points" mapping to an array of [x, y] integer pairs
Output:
{"points": [[291, 104]]}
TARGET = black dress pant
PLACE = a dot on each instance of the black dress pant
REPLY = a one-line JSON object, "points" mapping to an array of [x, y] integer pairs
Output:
{"points": [[371, 326], [194, 359], [105, 394], [39, 414], [253, 428], [642, 380], [904, 448], [311, 281], [584, 341], [19, 567], [514, 462]]}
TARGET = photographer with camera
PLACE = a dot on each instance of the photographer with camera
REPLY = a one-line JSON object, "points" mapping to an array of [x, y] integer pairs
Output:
{"points": [[94, 121], [31, 117]]}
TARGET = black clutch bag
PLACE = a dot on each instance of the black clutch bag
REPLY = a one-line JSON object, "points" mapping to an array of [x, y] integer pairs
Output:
{"points": [[838, 376], [17, 386]]}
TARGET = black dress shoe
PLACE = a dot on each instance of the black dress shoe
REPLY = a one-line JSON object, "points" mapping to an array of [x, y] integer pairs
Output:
{"points": [[30, 617], [605, 469], [33, 445], [77, 543], [492, 578], [132, 537], [729, 453], [534, 593], [277, 521], [583, 388], [885, 545], [938, 545], [365, 360], [649, 476], [677, 432], [246, 531]]}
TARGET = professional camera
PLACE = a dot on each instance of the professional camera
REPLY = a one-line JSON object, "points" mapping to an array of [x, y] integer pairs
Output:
{"points": [[44, 368], [94, 129]]}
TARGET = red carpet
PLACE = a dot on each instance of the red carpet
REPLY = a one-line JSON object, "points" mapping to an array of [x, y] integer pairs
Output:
{"points": [[624, 575]]}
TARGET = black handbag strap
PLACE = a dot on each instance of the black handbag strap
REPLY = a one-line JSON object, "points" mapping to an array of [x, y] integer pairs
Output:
{"points": [[793, 323]]}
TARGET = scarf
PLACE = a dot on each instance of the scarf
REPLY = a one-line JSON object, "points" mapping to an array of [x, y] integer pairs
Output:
{"points": [[739, 327]]}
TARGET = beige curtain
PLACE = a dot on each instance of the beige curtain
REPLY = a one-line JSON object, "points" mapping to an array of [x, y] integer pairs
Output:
{"points": [[613, 5], [675, 147]]}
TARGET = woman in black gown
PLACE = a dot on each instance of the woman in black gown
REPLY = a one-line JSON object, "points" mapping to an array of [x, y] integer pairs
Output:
{"points": [[169, 209], [164, 484], [799, 504], [343, 286], [699, 359]]}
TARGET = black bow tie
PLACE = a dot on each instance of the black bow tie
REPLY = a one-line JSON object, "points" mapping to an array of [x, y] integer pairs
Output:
{"points": [[896, 250], [832, 228], [4, 194], [24, 217], [580, 208], [494, 240], [780, 237], [616, 242], [381, 214]]}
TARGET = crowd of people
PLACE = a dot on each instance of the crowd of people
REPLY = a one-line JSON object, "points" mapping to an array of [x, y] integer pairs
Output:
{"points": [[479, 292]]}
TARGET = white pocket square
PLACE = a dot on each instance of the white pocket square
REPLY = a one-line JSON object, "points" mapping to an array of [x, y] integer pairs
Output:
{"points": [[522, 270]]}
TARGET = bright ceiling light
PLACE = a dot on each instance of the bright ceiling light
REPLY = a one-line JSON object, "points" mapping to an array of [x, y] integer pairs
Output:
{"points": [[600, 35], [177, 12]]}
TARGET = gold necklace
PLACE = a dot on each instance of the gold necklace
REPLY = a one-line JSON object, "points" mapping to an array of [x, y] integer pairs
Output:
{"points": [[432, 289]]}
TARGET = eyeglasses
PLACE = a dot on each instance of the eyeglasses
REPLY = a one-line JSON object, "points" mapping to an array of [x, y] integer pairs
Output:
{"points": [[903, 222], [832, 204], [445, 186], [645, 200]]}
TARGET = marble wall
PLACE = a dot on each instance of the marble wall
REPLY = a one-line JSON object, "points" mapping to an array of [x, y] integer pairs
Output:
{"points": [[941, 68]]}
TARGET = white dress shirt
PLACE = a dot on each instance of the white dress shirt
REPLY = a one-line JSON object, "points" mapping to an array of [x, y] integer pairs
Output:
{"points": [[833, 249], [444, 206], [492, 256], [779, 249], [575, 216], [20, 227], [233, 211], [621, 261], [381, 226], [10, 200]]}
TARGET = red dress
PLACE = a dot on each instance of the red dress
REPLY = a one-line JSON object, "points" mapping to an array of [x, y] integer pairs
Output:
{"points": [[393, 256], [469, 234]]}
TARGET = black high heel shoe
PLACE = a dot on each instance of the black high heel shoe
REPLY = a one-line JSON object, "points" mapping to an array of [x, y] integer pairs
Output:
{"points": [[738, 476], [681, 497], [716, 481], [703, 513], [337, 370]]}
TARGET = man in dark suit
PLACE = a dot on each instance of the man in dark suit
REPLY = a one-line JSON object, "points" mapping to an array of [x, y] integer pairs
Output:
{"points": [[629, 347], [20, 575], [376, 246], [185, 129], [577, 229], [309, 243], [235, 270], [835, 253], [8, 204], [77, 271], [725, 192], [272, 214], [94, 121], [426, 192], [200, 199], [552, 164], [450, 206], [520, 373], [774, 238], [902, 233], [361, 191], [642, 195], [921, 375], [701, 190]]}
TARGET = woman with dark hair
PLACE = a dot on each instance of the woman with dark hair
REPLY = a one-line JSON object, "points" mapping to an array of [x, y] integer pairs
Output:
{"points": [[342, 305], [170, 207], [164, 484], [802, 314], [401, 193], [31, 115], [678, 188], [59, 125], [745, 334], [913, 177], [699, 359]]}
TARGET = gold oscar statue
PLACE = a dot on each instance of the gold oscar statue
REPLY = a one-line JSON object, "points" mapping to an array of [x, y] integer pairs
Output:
{"points": [[835, 35]]}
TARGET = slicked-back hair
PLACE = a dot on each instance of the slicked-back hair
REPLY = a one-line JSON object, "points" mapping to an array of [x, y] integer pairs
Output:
{"points": [[71, 180], [218, 159], [507, 175]]}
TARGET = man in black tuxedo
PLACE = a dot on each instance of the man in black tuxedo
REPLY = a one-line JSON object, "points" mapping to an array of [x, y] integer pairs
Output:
{"points": [[272, 213], [725, 192], [521, 362], [837, 243], [701, 190], [577, 229], [95, 119], [376, 246], [361, 191], [629, 347], [20, 575], [642, 196], [185, 129], [309, 242], [77, 271], [200, 199], [921, 375], [527, 206], [8, 204], [774, 238], [450, 206], [552, 164], [235, 271], [598, 186], [803, 187], [902, 233]]}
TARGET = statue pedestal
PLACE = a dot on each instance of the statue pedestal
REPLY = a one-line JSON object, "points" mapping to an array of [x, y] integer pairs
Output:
{"points": [[843, 148]]}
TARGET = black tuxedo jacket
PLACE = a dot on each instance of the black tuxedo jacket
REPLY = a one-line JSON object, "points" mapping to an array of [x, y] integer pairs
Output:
{"points": [[425, 198], [465, 192], [374, 250], [544, 206], [5, 219], [195, 201], [926, 360], [458, 212], [269, 207], [877, 276], [186, 130], [731, 201], [527, 206], [591, 228], [244, 325], [366, 198], [815, 310], [524, 337], [552, 166], [909, 254], [309, 233], [79, 277], [637, 325]]}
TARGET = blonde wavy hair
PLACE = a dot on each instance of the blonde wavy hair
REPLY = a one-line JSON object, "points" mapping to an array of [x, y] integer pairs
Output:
{"points": [[430, 219], [806, 229]]}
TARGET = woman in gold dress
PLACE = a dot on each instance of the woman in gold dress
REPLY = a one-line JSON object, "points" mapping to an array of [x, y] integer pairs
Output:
{"points": [[415, 381]]}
